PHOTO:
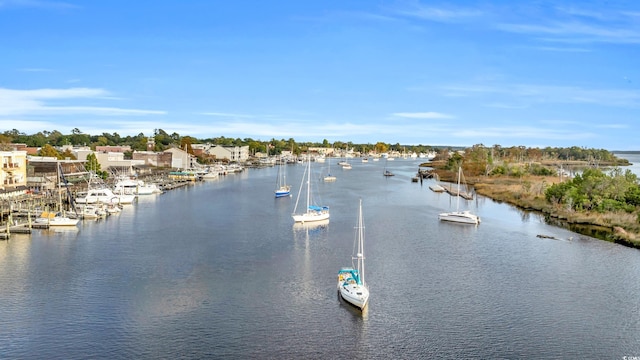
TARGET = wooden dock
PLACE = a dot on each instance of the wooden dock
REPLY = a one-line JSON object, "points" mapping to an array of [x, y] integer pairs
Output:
{"points": [[454, 192], [5, 232]]}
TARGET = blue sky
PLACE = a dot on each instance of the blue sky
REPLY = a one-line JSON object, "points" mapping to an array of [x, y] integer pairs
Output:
{"points": [[511, 73]]}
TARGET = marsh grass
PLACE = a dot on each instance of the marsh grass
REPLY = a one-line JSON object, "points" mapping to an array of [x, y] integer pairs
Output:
{"points": [[527, 192]]}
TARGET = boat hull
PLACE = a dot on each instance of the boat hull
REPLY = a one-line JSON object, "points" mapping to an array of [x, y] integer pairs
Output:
{"points": [[354, 294], [463, 217], [58, 221], [311, 216], [282, 193]]}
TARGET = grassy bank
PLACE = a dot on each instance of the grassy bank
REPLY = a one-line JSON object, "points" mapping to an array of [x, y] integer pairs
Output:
{"points": [[527, 192]]}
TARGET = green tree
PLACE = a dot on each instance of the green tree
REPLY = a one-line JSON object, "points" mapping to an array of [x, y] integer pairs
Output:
{"points": [[92, 163], [381, 147], [49, 151]]}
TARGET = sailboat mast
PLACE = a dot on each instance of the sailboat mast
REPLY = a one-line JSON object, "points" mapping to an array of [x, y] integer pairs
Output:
{"points": [[360, 244], [458, 199], [59, 190], [308, 180]]}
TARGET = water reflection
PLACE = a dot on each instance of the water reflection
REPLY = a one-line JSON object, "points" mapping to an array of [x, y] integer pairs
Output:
{"points": [[62, 231], [310, 227], [307, 238]]}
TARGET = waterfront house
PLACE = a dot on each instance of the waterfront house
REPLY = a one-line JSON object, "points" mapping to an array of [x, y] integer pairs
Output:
{"points": [[13, 172]]}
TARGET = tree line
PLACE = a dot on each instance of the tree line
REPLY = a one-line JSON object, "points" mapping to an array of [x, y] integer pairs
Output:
{"points": [[477, 160]]}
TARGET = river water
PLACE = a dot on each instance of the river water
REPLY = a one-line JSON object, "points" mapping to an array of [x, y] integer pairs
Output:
{"points": [[218, 270]]}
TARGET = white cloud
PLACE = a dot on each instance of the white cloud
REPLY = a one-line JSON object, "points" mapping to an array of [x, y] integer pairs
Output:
{"points": [[34, 70], [228, 115], [440, 14], [576, 32], [549, 94], [36, 4], [423, 115], [522, 132], [34, 102]]}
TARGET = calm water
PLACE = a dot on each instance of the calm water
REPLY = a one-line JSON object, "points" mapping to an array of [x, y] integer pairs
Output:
{"points": [[218, 270]]}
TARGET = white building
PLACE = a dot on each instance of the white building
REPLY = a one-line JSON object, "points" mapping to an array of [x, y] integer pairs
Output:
{"points": [[231, 153], [116, 160], [181, 159]]}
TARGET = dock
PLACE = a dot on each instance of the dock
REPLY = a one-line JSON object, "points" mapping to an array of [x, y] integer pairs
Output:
{"points": [[5, 233], [455, 192]]}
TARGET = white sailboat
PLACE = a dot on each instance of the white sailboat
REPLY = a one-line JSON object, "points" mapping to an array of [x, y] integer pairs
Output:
{"points": [[312, 212], [329, 177], [282, 189], [351, 284], [465, 217]]}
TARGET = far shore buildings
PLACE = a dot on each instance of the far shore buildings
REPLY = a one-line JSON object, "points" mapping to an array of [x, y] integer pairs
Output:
{"points": [[219, 152], [43, 173], [181, 159], [22, 170]]}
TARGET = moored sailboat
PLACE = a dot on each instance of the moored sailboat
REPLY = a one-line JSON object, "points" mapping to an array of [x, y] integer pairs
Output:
{"points": [[351, 284], [464, 217], [312, 212], [329, 177], [282, 189]]}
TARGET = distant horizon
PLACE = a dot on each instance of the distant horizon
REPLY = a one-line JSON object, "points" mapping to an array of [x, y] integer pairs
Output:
{"points": [[319, 142]]}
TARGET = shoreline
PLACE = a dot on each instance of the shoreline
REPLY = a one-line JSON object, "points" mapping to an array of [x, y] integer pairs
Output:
{"points": [[527, 193]]}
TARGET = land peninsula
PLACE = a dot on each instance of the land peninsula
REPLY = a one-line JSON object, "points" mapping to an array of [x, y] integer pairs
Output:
{"points": [[595, 200]]}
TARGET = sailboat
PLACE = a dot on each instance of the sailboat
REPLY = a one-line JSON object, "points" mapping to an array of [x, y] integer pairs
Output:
{"points": [[58, 218], [282, 189], [345, 164], [312, 212], [465, 217], [387, 172], [329, 177], [351, 284]]}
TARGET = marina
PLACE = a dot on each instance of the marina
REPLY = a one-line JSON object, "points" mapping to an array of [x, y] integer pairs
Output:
{"points": [[219, 269]]}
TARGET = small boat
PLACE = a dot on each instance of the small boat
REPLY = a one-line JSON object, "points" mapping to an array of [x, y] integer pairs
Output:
{"points": [[210, 175], [351, 284], [104, 196], [386, 172], [282, 189], [130, 186], [464, 217], [345, 164], [55, 219], [329, 177], [312, 212]]}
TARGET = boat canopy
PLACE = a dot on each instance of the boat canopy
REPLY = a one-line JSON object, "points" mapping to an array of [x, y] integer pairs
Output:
{"points": [[353, 272], [318, 208]]}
